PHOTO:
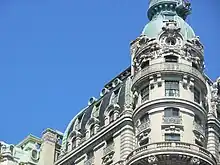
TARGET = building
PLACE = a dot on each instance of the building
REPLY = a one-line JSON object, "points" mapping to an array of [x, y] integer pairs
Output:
{"points": [[162, 110]]}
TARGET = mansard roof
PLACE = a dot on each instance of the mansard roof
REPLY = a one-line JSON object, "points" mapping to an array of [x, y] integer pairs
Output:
{"points": [[118, 83]]}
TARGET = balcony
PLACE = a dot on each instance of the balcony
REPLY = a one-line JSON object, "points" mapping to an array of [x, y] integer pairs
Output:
{"points": [[170, 153], [143, 127], [89, 161], [198, 128], [167, 67], [153, 2], [176, 120]]}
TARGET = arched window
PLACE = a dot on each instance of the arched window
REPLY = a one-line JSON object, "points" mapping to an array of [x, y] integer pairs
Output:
{"points": [[92, 130], [111, 116]]}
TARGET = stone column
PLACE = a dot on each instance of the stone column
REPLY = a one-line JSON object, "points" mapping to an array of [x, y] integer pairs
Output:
{"points": [[48, 147], [127, 142], [213, 142]]}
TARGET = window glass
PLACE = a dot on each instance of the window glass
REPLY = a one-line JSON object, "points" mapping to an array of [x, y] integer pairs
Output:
{"points": [[171, 112], [145, 93], [92, 130], [171, 58], [144, 118], [111, 116], [196, 95], [172, 137], [145, 64], [172, 88]]}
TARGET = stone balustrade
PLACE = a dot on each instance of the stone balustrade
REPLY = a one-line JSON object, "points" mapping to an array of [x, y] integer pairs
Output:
{"points": [[172, 120], [171, 148], [199, 128], [167, 67]]}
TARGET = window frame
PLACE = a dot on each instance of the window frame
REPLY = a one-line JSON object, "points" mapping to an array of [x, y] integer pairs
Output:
{"points": [[145, 93], [197, 95], [170, 112], [172, 90], [171, 58]]}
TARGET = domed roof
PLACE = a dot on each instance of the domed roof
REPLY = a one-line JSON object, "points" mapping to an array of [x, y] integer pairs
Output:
{"points": [[154, 28]]}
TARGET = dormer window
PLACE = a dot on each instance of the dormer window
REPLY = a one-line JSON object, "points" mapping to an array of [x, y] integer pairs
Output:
{"points": [[92, 130], [74, 143], [114, 98], [171, 58], [111, 116]]}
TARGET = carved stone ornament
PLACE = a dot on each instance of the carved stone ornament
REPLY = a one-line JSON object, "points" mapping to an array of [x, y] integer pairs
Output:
{"points": [[108, 159], [152, 159], [195, 161]]}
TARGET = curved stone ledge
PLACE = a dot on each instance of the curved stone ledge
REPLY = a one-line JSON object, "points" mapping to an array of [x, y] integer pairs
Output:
{"points": [[166, 101], [167, 67], [170, 148]]}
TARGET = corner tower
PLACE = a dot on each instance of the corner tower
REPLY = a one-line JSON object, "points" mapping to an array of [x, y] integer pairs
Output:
{"points": [[169, 89]]}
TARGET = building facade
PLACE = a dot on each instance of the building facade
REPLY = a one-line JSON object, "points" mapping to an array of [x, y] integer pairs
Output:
{"points": [[162, 110]]}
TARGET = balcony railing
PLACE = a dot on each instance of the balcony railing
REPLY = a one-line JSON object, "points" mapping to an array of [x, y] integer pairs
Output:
{"points": [[172, 120], [153, 2], [199, 128], [176, 67], [89, 161], [170, 147], [109, 149], [143, 127]]}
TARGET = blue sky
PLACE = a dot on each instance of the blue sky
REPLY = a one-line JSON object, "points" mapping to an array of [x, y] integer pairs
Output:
{"points": [[56, 54]]}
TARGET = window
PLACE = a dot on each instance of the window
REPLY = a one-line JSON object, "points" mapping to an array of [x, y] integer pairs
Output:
{"points": [[197, 119], [144, 64], [199, 143], [171, 58], [144, 118], [171, 112], [194, 65], [172, 88], [172, 137], [145, 141], [196, 95], [145, 93], [73, 143], [114, 98], [92, 130], [111, 116]]}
